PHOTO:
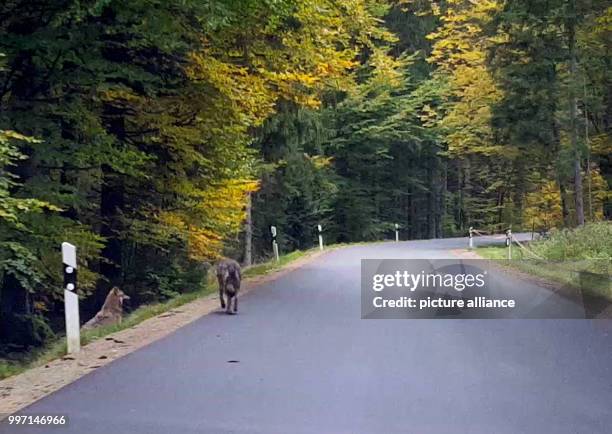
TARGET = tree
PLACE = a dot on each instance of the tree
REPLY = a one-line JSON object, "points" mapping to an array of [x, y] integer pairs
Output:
{"points": [[145, 112], [536, 62]]}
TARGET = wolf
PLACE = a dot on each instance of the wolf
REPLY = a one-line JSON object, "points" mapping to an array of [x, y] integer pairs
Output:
{"points": [[111, 312], [229, 276]]}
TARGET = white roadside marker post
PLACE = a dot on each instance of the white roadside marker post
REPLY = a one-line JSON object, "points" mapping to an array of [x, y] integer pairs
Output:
{"points": [[320, 237], [471, 245], [509, 243], [396, 233], [274, 243], [71, 299]]}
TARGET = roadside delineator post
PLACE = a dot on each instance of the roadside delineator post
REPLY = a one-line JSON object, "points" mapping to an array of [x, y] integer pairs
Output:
{"points": [[320, 229], [71, 299], [509, 243], [274, 243], [396, 233], [471, 239]]}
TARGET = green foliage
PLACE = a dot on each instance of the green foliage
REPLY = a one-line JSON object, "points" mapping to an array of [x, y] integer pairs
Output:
{"points": [[591, 241], [298, 188], [13, 208], [378, 136]]}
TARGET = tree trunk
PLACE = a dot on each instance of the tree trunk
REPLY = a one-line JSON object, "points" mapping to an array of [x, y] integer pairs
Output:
{"points": [[588, 158], [412, 234], [466, 215], [442, 200], [248, 233], [501, 195], [431, 201], [578, 194], [563, 195]]}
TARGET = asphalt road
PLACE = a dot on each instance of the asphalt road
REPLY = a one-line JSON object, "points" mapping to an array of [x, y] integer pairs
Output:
{"points": [[298, 359]]}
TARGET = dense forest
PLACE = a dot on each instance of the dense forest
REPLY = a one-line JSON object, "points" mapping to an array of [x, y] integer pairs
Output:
{"points": [[156, 135]]}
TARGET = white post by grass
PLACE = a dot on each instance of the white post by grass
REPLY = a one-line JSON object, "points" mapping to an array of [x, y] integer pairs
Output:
{"points": [[471, 235], [274, 243], [509, 243], [396, 233], [320, 237], [71, 299]]}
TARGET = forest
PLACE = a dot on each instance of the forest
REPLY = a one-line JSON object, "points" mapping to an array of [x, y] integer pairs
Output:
{"points": [[158, 135]]}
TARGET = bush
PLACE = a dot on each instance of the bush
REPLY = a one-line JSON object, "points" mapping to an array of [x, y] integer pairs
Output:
{"points": [[26, 331], [592, 241]]}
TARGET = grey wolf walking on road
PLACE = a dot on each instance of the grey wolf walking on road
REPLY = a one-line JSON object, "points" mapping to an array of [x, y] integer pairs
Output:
{"points": [[229, 276], [111, 312]]}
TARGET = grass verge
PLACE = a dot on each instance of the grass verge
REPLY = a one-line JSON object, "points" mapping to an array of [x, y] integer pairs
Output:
{"points": [[57, 348], [590, 276], [272, 265]]}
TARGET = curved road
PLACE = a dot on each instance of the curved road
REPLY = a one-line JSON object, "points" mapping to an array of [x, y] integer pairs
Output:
{"points": [[298, 359]]}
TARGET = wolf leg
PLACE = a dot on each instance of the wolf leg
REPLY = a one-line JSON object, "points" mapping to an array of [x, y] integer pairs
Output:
{"points": [[236, 303], [221, 299], [221, 281]]}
